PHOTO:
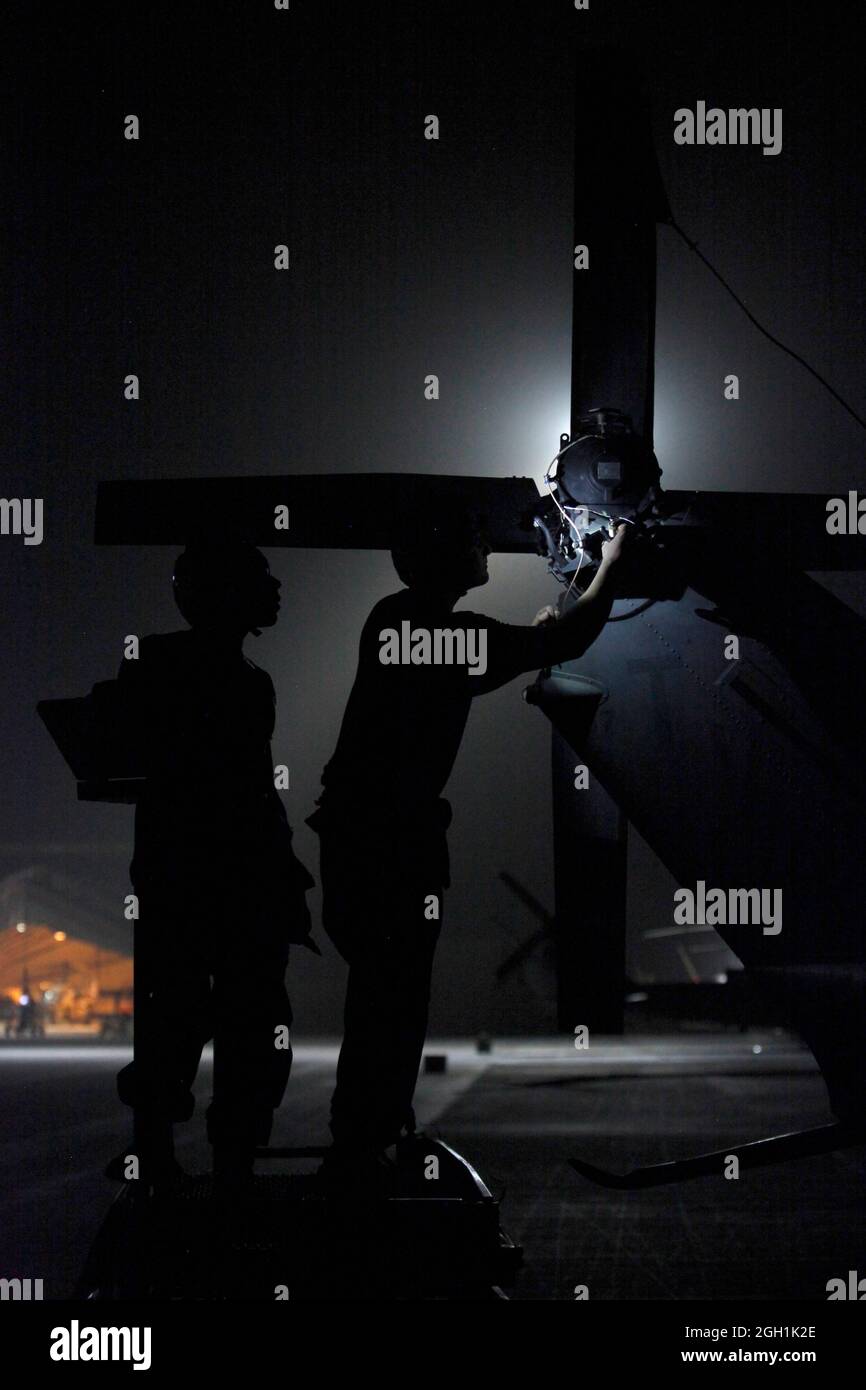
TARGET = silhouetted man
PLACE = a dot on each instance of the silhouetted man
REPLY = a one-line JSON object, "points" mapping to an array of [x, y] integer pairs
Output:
{"points": [[382, 819], [221, 894]]}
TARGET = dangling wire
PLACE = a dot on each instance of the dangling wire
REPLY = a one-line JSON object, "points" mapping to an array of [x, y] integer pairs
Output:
{"points": [[693, 245], [633, 612], [563, 598]]}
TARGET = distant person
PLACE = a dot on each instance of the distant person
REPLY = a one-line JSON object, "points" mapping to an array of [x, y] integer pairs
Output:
{"points": [[221, 893], [382, 819], [29, 1018]]}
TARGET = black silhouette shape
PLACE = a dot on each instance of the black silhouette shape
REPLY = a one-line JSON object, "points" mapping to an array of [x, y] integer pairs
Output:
{"points": [[221, 893], [382, 819]]}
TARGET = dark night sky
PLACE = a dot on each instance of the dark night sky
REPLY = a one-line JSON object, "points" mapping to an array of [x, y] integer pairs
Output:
{"points": [[408, 257]]}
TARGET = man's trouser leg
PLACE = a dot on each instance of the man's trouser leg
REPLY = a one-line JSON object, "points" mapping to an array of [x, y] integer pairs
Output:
{"points": [[387, 1000], [172, 1021], [252, 1045], [381, 930]]}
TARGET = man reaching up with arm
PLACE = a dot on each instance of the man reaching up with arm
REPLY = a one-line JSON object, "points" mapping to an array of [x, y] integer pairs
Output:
{"points": [[382, 819]]}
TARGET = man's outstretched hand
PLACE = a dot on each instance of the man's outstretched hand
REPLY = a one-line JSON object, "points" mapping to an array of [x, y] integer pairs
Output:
{"points": [[611, 554], [611, 550]]}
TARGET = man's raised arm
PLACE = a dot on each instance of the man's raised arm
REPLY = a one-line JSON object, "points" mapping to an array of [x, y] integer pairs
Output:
{"points": [[568, 637]]}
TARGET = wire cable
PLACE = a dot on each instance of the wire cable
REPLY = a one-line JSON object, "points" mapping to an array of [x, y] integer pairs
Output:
{"points": [[633, 612], [693, 245]]}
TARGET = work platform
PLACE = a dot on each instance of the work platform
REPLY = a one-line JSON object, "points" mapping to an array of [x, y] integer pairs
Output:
{"points": [[288, 1238]]}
